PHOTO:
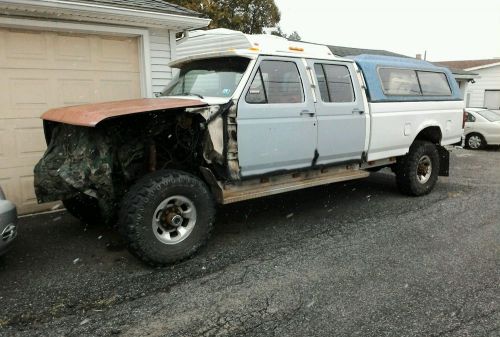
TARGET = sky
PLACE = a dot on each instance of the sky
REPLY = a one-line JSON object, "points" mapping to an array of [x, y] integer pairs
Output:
{"points": [[446, 29]]}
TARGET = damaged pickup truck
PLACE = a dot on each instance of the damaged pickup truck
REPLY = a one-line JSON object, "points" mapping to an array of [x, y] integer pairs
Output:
{"points": [[241, 124]]}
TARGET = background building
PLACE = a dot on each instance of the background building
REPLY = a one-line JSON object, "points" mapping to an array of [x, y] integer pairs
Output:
{"points": [[59, 53], [485, 90]]}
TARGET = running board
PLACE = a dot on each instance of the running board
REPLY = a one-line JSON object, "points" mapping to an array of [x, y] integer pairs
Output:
{"points": [[256, 188]]}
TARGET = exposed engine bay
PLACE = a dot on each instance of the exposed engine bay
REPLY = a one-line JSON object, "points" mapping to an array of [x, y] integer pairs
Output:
{"points": [[104, 161]]}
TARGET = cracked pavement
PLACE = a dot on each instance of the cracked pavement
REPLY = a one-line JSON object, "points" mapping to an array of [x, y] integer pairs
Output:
{"points": [[354, 259]]}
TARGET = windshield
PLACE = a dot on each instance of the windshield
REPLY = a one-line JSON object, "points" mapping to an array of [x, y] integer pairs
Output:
{"points": [[217, 77], [490, 115]]}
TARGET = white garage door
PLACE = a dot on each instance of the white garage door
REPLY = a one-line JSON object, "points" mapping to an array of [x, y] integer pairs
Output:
{"points": [[41, 70], [492, 99]]}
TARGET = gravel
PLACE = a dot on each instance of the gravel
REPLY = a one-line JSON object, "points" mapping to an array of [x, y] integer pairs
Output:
{"points": [[350, 259]]}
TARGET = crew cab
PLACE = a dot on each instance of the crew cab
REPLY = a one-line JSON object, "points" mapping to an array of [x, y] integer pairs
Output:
{"points": [[263, 117]]}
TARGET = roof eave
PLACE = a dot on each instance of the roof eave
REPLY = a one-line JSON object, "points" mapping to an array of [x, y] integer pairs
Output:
{"points": [[484, 66], [106, 14], [464, 76]]}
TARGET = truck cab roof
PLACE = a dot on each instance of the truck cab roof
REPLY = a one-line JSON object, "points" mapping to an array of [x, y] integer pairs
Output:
{"points": [[406, 87], [225, 43]]}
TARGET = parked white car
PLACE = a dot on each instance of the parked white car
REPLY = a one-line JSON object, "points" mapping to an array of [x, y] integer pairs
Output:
{"points": [[8, 222], [482, 128]]}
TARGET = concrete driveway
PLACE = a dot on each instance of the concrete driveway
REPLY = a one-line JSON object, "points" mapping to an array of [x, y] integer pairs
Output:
{"points": [[355, 259]]}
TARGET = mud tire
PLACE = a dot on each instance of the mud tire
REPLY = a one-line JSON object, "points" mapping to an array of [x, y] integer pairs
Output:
{"points": [[140, 204], [407, 166]]}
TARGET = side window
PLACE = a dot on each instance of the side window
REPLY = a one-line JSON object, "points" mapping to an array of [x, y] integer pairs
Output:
{"points": [[400, 82], [276, 82], [470, 118], [321, 78], [256, 94], [434, 84], [335, 84]]}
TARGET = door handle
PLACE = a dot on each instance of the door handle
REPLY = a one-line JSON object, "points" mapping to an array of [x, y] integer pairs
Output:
{"points": [[359, 111], [307, 113]]}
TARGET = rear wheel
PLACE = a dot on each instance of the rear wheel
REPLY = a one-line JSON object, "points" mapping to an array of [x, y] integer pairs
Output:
{"points": [[85, 209], [166, 217], [475, 141], [417, 172]]}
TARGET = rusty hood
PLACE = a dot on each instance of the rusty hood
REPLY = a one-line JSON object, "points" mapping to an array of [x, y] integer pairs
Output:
{"points": [[92, 114]]}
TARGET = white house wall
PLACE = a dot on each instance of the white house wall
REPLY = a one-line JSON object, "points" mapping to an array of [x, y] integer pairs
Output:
{"points": [[489, 79], [161, 54]]}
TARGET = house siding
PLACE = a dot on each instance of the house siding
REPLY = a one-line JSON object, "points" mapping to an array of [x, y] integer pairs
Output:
{"points": [[489, 79], [161, 53]]}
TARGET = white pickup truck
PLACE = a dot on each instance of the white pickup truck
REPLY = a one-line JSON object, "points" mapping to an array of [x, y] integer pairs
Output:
{"points": [[246, 119]]}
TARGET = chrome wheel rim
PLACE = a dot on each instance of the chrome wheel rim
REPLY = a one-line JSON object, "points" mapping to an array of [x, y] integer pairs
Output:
{"points": [[475, 142], [174, 219], [424, 169]]}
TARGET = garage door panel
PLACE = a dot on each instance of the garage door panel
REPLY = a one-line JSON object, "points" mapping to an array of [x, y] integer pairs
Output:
{"points": [[119, 54], [42, 70], [51, 50], [24, 143], [25, 46], [30, 142], [8, 153], [18, 186], [71, 48], [28, 96], [76, 91], [4, 142], [28, 196], [23, 93], [9, 184], [118, 89]]}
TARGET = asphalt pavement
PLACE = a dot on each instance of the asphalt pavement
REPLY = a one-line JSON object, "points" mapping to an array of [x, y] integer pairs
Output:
{"points": [[348, 259]]}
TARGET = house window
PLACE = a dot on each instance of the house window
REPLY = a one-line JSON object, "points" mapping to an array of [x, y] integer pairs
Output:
{"points": [[276, 82], [335, 84]]}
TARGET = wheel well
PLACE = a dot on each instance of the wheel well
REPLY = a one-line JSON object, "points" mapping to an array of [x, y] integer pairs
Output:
{"points": [[431, 133], [474, 133]]}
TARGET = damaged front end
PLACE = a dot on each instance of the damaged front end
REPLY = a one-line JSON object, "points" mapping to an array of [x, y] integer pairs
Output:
{"points": [[104, 160]]}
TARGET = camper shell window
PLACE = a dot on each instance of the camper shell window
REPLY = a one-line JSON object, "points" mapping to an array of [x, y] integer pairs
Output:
{"points": [[410, 82]]}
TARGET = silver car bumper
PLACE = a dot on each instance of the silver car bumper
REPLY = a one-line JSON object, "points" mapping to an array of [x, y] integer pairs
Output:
{"points": [[8, 223]]}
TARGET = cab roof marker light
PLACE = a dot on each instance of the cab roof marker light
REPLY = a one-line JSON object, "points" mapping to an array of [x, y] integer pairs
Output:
{"points": [[295, 48], [254, 49]]}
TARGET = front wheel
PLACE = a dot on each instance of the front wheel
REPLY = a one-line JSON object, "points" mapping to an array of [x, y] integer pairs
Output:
{"points": [[166, 217], [417, 172]]}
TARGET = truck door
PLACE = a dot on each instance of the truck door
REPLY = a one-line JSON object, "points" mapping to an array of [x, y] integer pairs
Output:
{"points": [[340, 112], [277, 127]]}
